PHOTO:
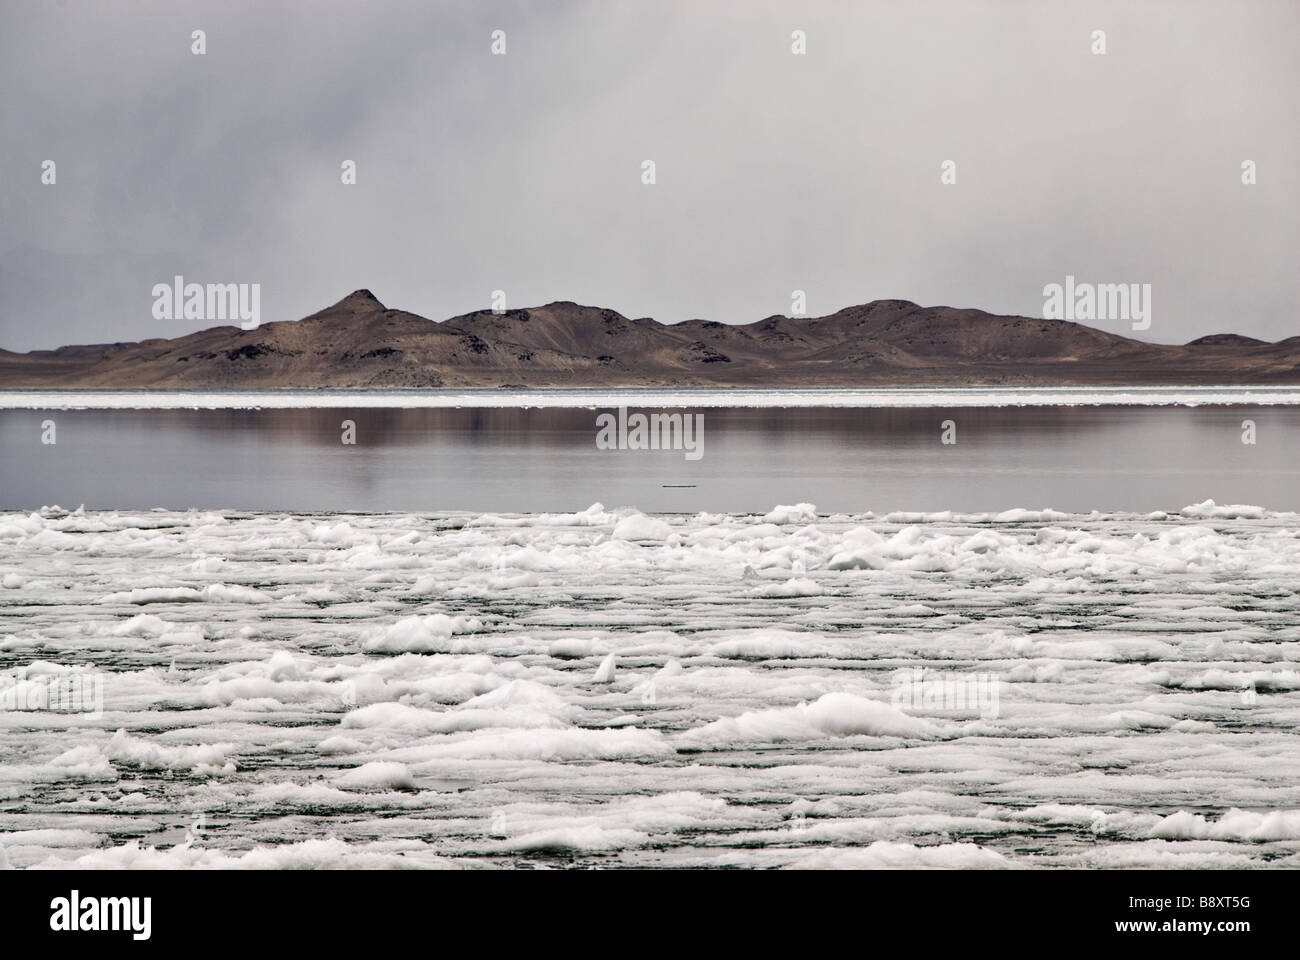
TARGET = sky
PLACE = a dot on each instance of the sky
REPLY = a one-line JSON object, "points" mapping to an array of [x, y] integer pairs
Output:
{"points": [[523, 172]]}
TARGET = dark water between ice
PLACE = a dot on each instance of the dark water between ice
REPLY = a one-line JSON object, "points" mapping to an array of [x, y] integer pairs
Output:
{"points": [[1068, 458]]}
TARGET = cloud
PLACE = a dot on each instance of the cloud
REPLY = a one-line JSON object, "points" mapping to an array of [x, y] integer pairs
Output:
{"points": [[775, 172]]}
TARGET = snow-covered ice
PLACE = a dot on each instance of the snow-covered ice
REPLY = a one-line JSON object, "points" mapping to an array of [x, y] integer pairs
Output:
{"points": [[606, 687]]}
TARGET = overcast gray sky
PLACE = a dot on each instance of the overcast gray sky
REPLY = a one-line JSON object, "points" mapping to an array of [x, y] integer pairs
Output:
{"points": [[522, 172]]}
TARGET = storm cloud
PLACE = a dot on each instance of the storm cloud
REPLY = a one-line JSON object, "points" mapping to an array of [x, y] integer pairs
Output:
{"points": [[775, 171]]}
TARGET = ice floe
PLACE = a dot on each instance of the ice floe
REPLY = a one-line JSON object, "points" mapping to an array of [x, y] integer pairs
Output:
{"points": [[457, 690]]}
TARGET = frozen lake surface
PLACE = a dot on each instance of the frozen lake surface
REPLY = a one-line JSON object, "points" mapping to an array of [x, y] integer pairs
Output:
{"points": [[436, 689]]}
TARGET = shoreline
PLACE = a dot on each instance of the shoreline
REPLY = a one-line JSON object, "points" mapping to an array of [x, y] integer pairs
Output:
{"points": [[694, 397]]}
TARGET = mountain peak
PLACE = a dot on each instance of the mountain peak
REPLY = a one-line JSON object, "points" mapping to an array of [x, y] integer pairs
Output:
{"points": [[356, 304], [1225, 340], [358, 301], [362, 297]]}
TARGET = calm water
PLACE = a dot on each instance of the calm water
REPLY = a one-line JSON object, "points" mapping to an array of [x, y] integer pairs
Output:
{"points": [[1068, 458]]}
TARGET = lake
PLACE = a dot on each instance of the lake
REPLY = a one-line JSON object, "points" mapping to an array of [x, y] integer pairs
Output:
{"points": [[843, 459], [348, 655]]}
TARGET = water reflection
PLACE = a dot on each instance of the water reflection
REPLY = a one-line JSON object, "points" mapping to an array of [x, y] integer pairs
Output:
{"points": [[1070, 458]]}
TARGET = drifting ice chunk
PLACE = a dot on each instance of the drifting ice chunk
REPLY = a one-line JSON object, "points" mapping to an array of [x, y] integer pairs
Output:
{"points": [[799, 513], [798, 587], [887, 855], [573, 839], [380, 775], [205, 759], [833, 715], [1207, 510], [605, 672], [418, 634], [640, 527], [1233, 825]]}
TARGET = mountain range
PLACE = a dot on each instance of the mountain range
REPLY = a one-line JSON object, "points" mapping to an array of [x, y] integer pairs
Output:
{"points": [[360, 343]]}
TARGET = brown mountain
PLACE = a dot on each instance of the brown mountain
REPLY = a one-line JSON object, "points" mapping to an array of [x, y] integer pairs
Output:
{"points": [[358, 343]]}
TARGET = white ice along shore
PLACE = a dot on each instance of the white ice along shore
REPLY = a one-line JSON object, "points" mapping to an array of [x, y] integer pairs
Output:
{"points": [[648, 397], [606, 687]]}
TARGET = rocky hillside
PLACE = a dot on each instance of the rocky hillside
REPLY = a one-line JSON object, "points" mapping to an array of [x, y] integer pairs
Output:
{"points": [[358, 343]]}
